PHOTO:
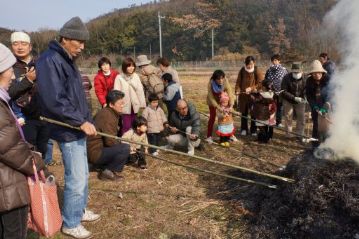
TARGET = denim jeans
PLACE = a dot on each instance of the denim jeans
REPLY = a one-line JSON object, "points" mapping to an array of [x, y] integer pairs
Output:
{"points": [[74, 155], [48, 156]]}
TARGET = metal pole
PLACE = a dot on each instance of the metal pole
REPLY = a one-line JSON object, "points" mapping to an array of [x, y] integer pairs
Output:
{"points": [[134, 52], [160, 31], [212, 43], [150, 51]]}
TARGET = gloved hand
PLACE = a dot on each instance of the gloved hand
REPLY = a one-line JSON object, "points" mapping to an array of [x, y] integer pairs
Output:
{"points": [[299, 100], [323, 111]]}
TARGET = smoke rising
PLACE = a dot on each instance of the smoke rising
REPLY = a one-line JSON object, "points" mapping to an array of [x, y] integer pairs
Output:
{"points": [[344, 131]]}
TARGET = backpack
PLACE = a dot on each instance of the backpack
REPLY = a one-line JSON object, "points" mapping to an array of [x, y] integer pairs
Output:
{"points": [[155, 84]]}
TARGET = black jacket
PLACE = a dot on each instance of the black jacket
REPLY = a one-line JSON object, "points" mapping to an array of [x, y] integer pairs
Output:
{"points": [[317, 94], [191, 119], [293, 88], [61, 94]]}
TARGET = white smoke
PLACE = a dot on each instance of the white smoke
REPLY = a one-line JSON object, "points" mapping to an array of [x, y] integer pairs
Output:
{"points": [[344, 130]]}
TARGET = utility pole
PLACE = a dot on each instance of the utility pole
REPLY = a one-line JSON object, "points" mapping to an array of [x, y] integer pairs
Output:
{"points": [[160, 31], [134, 52], [150, 51], [212, 43]]}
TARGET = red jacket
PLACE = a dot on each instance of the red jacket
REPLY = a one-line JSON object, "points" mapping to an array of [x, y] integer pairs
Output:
{"points": [[104, 84]]}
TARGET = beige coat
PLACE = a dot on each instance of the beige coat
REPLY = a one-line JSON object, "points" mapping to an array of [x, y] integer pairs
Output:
{"points": [[133, 89], [155, 119], [131, 135]]}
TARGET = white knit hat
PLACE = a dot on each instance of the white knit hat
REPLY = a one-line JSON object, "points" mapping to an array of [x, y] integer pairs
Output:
{"points": [[20, 36], [7, 59]]}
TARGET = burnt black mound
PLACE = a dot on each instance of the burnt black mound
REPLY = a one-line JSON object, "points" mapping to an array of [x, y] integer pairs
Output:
{"points": [[322, 203]]}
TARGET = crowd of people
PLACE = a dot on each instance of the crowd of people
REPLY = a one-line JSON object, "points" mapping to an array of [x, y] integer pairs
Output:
{"points": [[140, 103]]}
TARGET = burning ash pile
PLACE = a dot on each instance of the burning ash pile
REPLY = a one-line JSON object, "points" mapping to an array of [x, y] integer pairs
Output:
{"points": [[324, 200], [322, 203]]}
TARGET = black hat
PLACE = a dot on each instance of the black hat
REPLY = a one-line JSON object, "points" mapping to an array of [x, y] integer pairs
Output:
{"points": [[75, 29], [296, 67]]}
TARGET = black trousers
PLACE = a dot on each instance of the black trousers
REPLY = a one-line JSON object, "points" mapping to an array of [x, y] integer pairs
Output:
{"points": [[315, 133], [114, 158], [13, 224], [279, 104], [37, 133], [155, 139], [224, 139], [265, 133], [244, 121]]}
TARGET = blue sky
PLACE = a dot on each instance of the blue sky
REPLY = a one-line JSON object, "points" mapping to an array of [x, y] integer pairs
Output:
{"points": [[31, 15]]}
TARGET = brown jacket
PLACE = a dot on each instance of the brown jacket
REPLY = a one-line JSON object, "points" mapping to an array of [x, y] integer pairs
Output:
{"points": [[245, 80], [15, 163], [213, 100], [106, 121]]}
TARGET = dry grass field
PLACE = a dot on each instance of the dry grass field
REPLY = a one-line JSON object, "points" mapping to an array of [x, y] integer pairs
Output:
{"points": [[171, 202]]}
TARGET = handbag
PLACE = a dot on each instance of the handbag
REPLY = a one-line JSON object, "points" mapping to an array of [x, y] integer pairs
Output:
{"points": [[44, 216]]}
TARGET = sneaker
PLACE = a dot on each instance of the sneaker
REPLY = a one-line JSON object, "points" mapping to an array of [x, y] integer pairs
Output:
{"points": [[280, 125], [209, 140], [167, 147], [227, 144], [234, 138], [190, 152], [77, 232], [254, 134], [155, 153], [90, 216], [142, 164], [106, 175], [243, 132], [223, 144]]}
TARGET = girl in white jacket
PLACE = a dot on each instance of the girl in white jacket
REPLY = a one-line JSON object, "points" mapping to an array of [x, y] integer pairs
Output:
{"points": [[130, 84]]}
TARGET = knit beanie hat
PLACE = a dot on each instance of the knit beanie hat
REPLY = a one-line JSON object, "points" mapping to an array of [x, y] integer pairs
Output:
{"points": [[19, 36], [7, 59], [223, 97], [75, 29]]}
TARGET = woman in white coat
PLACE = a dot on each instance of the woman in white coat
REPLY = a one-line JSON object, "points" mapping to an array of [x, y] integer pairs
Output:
{"points": [[130, 84]]}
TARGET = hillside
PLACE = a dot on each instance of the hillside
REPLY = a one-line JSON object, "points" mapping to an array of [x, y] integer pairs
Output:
{"points": [[268, 26], [259, 27]]}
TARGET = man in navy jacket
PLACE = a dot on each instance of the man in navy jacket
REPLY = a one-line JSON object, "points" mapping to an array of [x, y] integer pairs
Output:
{"points": [[62, 98]]}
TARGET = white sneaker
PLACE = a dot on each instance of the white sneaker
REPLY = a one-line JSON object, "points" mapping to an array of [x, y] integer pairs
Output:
{"points": [[191, 152], [209, 140], [280, 126], [90, 216], [77, 232], [234, 138], [254, 134], [167, 147], [243, 132], [155, 153]]}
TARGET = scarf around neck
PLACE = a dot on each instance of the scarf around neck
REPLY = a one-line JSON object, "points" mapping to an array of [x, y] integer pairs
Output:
{"points": [[217, 88], [4, 95]]}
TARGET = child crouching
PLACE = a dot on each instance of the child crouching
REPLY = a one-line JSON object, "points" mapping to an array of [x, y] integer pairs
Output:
{"points": [[225, 120], [264, 109], [156, 119], [138, 134]]}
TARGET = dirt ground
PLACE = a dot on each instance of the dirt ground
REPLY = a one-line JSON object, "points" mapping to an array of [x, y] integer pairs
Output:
{"points": [[168, 201]]}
